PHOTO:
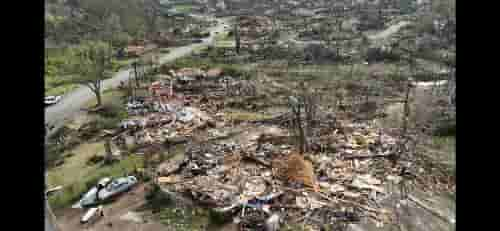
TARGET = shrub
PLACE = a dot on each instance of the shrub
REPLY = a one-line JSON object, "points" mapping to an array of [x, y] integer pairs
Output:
{"points": [[156, 198], [95, 159], [113, 110], [234, 72], [92, 182], [218, 217], [122, 40], [446, 128], [53, 154], [107, 123]]}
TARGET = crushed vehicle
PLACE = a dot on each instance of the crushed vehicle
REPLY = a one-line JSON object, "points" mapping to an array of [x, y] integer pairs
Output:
{"points": [[105, 189]]}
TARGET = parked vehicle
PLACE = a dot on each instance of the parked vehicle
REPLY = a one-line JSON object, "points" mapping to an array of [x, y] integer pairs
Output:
{"points": [[50, 100], [117, 186], [106, 189]]}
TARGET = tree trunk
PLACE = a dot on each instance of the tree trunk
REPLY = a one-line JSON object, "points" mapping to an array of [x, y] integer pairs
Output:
{"points": [[406, 108], [135, 74], [98, 97], [302, 143], [131, 89], [237, 38], [109, 155], [352, 69]]}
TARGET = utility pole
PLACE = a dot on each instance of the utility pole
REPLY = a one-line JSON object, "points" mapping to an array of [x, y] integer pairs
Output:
{"points": [[237, 37], [50, 218], [134, 65]]}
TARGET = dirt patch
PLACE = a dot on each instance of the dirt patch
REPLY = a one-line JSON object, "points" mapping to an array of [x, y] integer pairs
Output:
{"points": [[69, 219]]}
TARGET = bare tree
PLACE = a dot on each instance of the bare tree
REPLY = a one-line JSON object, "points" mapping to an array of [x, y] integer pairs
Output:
{"points": [[90, 66], [152, 13], [304, 108]]}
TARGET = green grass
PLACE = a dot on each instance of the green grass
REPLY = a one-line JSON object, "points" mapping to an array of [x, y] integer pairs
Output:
{"points": [[117, 65], [446, 148], [76, 177], [223, 36], [205, 63], [184, 8], [165, 50], [60, 90], [56, 83], [110, 96]]}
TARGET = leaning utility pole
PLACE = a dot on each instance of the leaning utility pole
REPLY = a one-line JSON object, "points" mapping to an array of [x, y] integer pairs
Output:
{"points": [[50, 218]]}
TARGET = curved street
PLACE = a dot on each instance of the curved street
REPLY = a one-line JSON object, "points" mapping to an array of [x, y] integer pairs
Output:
{"points": [[72, 103]]}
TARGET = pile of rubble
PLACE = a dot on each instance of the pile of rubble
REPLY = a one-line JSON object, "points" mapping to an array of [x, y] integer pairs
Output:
{"points": [[254, 180], [254, 25], [255, 175], [157, 127], [252, 29], [191, 74], [169, 111]]}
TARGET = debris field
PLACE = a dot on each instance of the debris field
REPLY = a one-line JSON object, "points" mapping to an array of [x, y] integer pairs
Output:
{"points": [[256, 176]]}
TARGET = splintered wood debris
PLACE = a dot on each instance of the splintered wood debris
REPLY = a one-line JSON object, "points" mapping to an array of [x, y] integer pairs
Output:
{"points": [[257, 172]]}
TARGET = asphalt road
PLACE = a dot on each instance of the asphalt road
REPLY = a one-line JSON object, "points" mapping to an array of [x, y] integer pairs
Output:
{"points": [[72, 103]]}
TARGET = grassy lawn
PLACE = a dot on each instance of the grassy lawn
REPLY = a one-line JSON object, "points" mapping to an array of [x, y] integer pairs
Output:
{"points": [[192, 62], [55, 84], [109, 96], [55, 81], [225, 44], [223, 36], [119, 64], [59, 90], [445, 147], [76, 176], [183, 8]]}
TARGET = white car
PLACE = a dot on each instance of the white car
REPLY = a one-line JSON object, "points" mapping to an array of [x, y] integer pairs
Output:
{"points": [[50, 100], [108, 188], [117, 186]]}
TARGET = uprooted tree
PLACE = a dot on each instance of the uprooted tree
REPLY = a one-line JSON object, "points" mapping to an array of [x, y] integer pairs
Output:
{"points": [[90, 65]]}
